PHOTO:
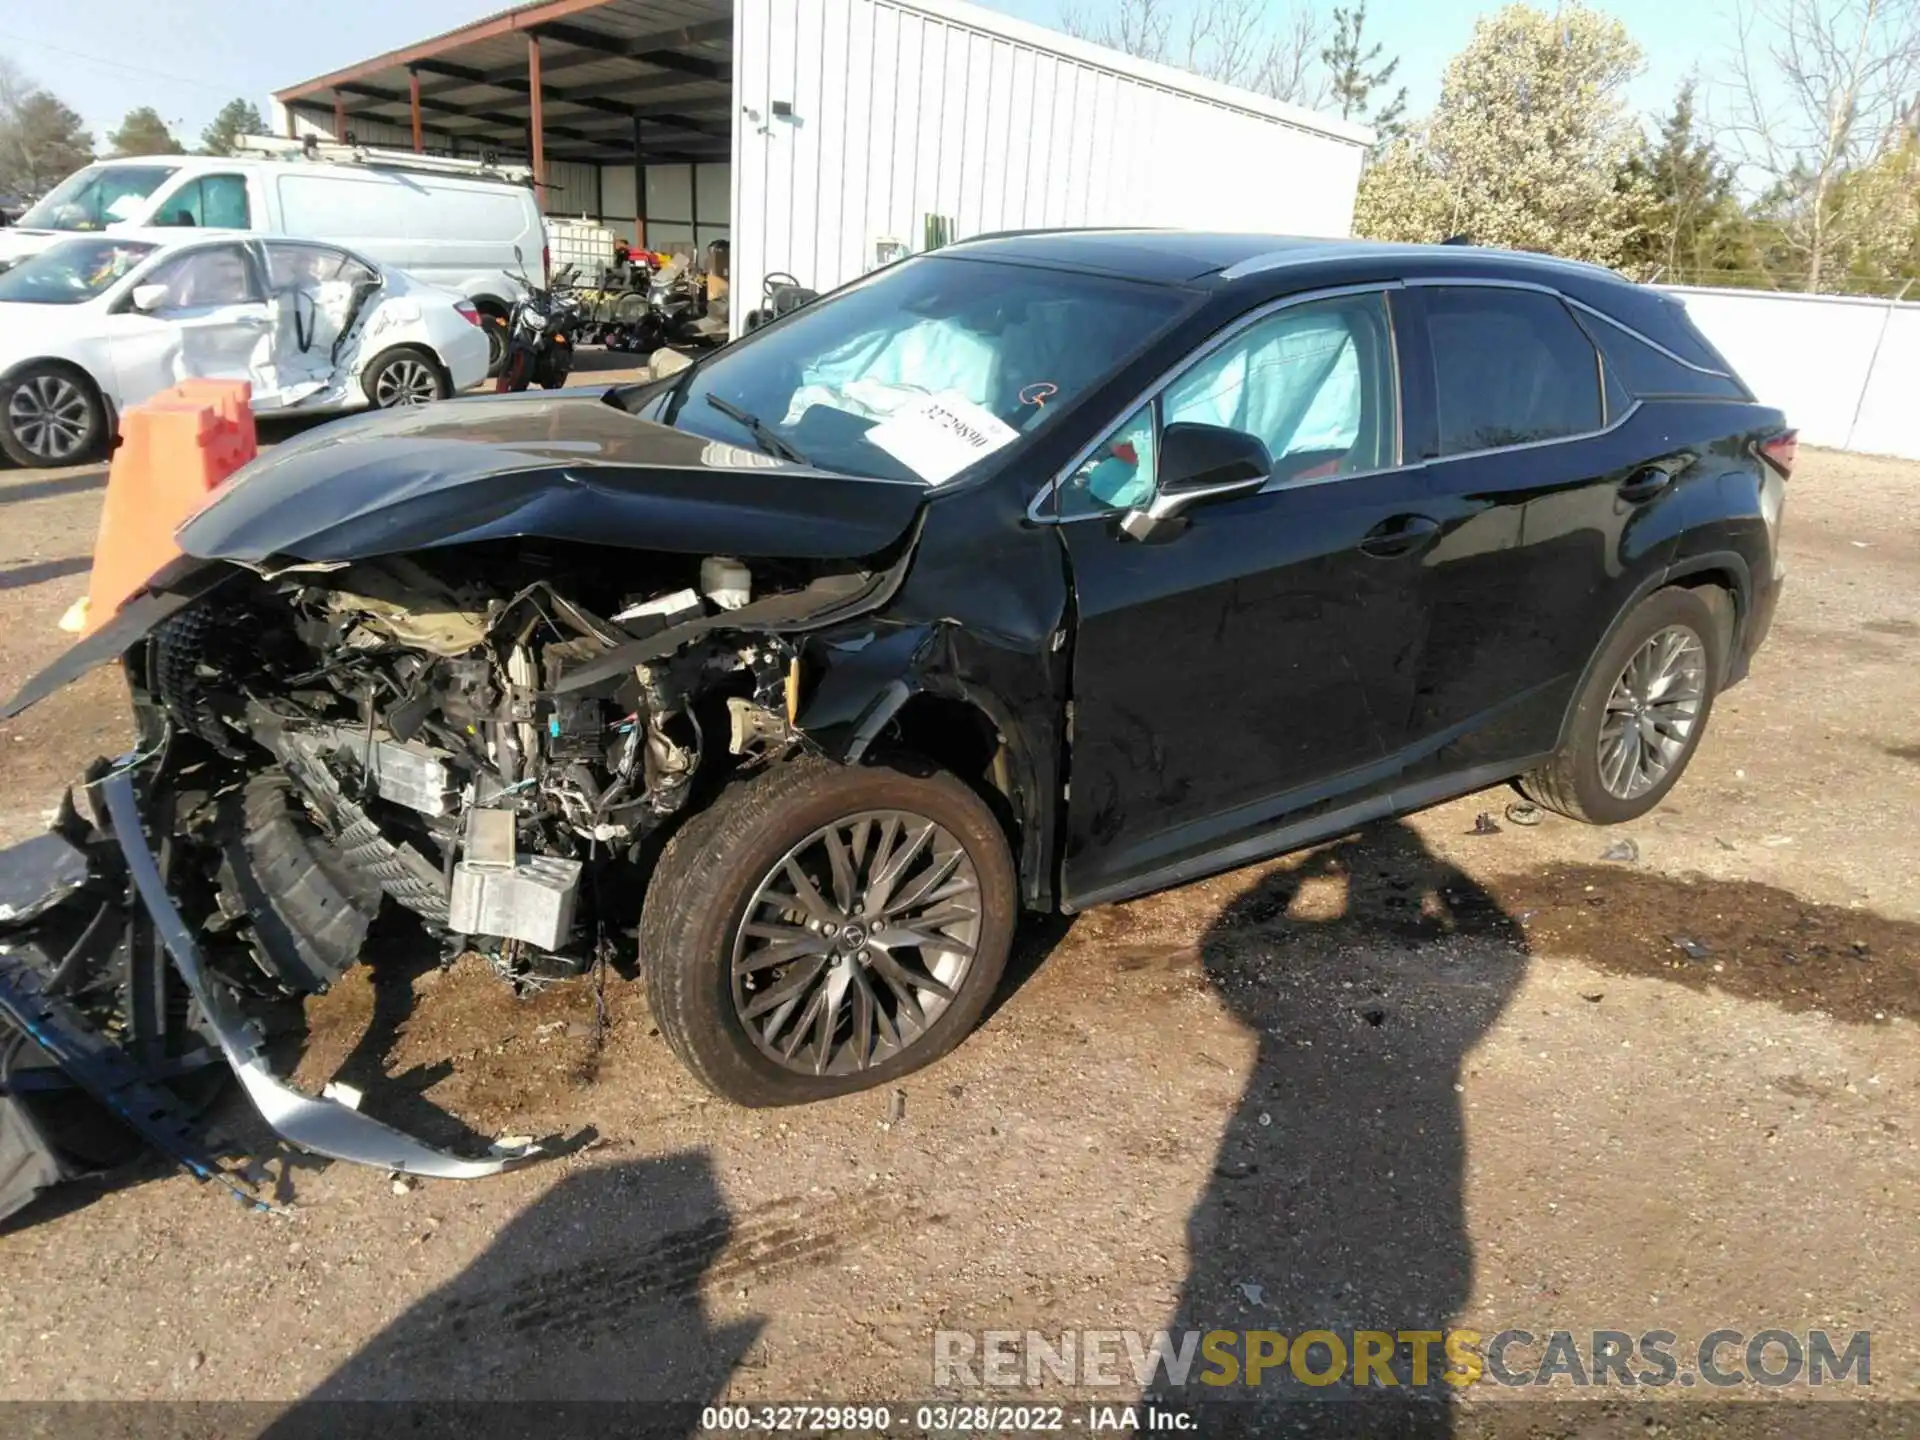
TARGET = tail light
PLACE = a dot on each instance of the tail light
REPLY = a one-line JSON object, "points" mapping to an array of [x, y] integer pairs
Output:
{"points": [[467, 312], [1781, 451]]}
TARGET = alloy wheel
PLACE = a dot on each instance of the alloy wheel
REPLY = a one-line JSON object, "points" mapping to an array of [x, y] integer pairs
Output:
{"points": [[1652, 712], [51, 416], [855, 942], [405, 382]]}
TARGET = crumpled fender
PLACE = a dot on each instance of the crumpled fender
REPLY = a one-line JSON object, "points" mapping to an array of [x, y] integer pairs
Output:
{"points": [[862, 675]]}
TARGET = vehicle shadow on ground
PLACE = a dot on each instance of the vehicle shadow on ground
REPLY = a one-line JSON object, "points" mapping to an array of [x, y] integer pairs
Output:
{"points": [[1369, 971], [590, 1294]]}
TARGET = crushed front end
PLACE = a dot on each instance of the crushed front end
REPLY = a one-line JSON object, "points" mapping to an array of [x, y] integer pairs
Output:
{"points": [[485, 742]]}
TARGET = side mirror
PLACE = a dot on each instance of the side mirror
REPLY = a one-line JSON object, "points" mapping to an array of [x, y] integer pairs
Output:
{"points": [[148, 298], [1199, 464]]}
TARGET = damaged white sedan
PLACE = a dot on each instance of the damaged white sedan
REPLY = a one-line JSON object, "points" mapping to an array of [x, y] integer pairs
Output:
{"points": [[98, 323]]}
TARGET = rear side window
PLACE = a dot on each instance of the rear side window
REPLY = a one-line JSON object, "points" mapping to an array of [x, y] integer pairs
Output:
{"points": [[1511, 367], [296, 266], [1650, 373]]}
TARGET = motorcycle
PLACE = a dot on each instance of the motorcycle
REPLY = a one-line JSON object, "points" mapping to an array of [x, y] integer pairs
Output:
{"points": [[676, 314], [541, 334]]}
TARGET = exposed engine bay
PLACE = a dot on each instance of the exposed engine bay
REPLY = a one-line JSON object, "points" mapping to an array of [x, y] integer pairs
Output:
{"points": [[487, 739], [485, 753]]}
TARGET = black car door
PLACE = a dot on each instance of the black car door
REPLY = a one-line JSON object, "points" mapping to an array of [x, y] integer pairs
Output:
{"points": [[1258, 665], [1541, 493]]}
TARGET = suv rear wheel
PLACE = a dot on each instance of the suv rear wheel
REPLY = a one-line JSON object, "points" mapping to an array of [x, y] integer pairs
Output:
{"points": [[822, 929], [1642, 712]]}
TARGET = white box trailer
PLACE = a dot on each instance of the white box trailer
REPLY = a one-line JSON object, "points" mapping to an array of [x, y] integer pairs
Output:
{"points": [[831, 134]]}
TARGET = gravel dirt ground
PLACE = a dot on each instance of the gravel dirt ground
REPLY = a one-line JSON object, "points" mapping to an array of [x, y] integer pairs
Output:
{"points": [[1417, 1077]]}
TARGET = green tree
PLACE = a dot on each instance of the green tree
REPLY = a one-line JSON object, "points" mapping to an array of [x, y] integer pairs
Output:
{"points": [[42, 141], [236, 118], [1526, 147], [1821, 91], [1691, 224], [1875, 230], [1354, 74], [143, 132]]}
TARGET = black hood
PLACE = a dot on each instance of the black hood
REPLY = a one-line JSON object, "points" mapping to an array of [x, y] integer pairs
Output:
{"points": [[561, 467]]}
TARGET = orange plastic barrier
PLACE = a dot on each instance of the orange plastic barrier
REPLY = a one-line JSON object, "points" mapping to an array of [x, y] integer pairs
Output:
{"points": [[173, 451]]}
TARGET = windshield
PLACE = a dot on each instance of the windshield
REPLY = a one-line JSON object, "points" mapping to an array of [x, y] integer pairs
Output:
{"points": [[72, 271], [924, 368], [99, 196]]}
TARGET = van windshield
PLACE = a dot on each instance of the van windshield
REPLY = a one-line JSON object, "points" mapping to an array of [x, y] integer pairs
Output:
{"points": [[96, 197]]}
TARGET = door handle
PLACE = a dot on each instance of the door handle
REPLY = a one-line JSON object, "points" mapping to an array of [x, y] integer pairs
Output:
{"points": [[1399, 535], [1645, 483]]}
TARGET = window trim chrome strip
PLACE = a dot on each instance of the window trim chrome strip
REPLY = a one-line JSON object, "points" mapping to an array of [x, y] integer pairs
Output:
{"points": [[1254, 317]]}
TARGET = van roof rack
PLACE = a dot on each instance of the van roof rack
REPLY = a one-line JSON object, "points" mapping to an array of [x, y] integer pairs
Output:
{"points": [[313, 148]]}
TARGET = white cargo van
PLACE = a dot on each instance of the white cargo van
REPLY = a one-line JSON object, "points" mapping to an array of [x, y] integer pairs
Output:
{"points": [[453, 223]]}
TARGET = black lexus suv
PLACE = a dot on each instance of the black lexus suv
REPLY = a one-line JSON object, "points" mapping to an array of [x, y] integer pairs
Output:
{"points": [[1035, 573]]}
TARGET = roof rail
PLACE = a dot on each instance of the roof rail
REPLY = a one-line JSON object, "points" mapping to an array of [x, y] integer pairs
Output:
{"points": [[313, 148]]}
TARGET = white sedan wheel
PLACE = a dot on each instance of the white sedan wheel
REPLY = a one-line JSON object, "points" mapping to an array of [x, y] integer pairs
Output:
{"points": [[51, 418], [404, 378]]}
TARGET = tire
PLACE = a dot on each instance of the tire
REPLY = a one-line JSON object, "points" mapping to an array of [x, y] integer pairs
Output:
{"points": [[1575, 782], [308, 910], [514, 373], [692, 929], [495, 326], [555, 373], [405, 376], [50, 415]]}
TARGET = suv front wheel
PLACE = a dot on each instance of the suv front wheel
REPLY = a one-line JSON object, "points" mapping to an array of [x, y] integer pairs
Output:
{"points": [[822, 929], [1642, 711]]}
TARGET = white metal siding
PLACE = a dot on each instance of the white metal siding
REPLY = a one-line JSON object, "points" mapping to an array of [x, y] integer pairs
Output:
{"points": [[909, 108]]}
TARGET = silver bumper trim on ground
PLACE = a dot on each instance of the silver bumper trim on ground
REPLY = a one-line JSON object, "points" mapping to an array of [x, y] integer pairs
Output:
{"points": [[324, 1127]]}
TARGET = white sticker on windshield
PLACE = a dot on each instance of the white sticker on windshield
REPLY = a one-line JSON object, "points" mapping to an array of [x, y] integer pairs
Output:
{"points": [[125, 207], [940, 436]]}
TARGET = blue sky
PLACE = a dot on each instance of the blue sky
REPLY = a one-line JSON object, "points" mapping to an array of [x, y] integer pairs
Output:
{"points": [[188, 57]]}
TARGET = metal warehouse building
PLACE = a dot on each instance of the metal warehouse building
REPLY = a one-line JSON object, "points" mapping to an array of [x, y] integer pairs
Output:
{"points": [[819, 135]]}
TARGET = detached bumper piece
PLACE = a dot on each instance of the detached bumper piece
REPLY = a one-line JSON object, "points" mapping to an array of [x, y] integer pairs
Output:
{"points": [[67, 919], [68, 940], [29, 1159]]}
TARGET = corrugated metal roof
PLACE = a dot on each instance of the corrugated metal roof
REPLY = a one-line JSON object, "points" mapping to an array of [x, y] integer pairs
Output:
{"points": [[604, 63]]}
